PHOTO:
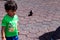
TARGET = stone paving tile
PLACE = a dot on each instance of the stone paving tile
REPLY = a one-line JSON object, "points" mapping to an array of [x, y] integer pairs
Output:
{"points": [[46, 17]]}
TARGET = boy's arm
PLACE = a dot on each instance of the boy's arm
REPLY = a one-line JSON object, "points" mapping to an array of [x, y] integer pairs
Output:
{"points": [[3, 32], [18, 28], [3, 24], [18, 31]]}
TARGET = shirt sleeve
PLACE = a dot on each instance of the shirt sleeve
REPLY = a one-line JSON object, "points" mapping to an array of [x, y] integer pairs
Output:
{"points": [[18, 18], [3, 22]]}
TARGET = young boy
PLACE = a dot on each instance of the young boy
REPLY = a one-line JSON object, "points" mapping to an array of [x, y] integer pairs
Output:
{"points": [[9, 29]]}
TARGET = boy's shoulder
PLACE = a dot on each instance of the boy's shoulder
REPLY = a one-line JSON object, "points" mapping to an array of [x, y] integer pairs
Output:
{"points": [[5, 16], [16, 16]]}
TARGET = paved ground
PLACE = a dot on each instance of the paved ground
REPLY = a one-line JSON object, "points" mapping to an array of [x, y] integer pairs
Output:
{"points": [[46, 17]]}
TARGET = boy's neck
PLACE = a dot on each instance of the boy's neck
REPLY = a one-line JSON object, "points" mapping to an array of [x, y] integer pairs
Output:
{"points": [[10, 15]]}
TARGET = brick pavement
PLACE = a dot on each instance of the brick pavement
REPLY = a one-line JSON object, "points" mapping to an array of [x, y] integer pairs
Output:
{"points": [[46, 17]]}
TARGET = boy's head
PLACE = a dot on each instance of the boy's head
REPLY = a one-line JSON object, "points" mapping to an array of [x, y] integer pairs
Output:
{"points": [[10, 7]]}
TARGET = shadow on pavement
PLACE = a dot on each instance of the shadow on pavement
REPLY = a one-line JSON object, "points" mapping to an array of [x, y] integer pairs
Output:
{"points": [[54, 35]]}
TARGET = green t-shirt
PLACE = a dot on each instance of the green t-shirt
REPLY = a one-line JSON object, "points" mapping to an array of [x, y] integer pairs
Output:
{"points": [[10, 24]]}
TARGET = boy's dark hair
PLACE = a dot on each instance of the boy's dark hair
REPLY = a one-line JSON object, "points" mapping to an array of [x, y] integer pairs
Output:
{"points": [[10, 5]]}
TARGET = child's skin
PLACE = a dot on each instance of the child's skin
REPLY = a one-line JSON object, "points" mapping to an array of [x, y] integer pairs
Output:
{"points": [[3, 33], [10, 13]]}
